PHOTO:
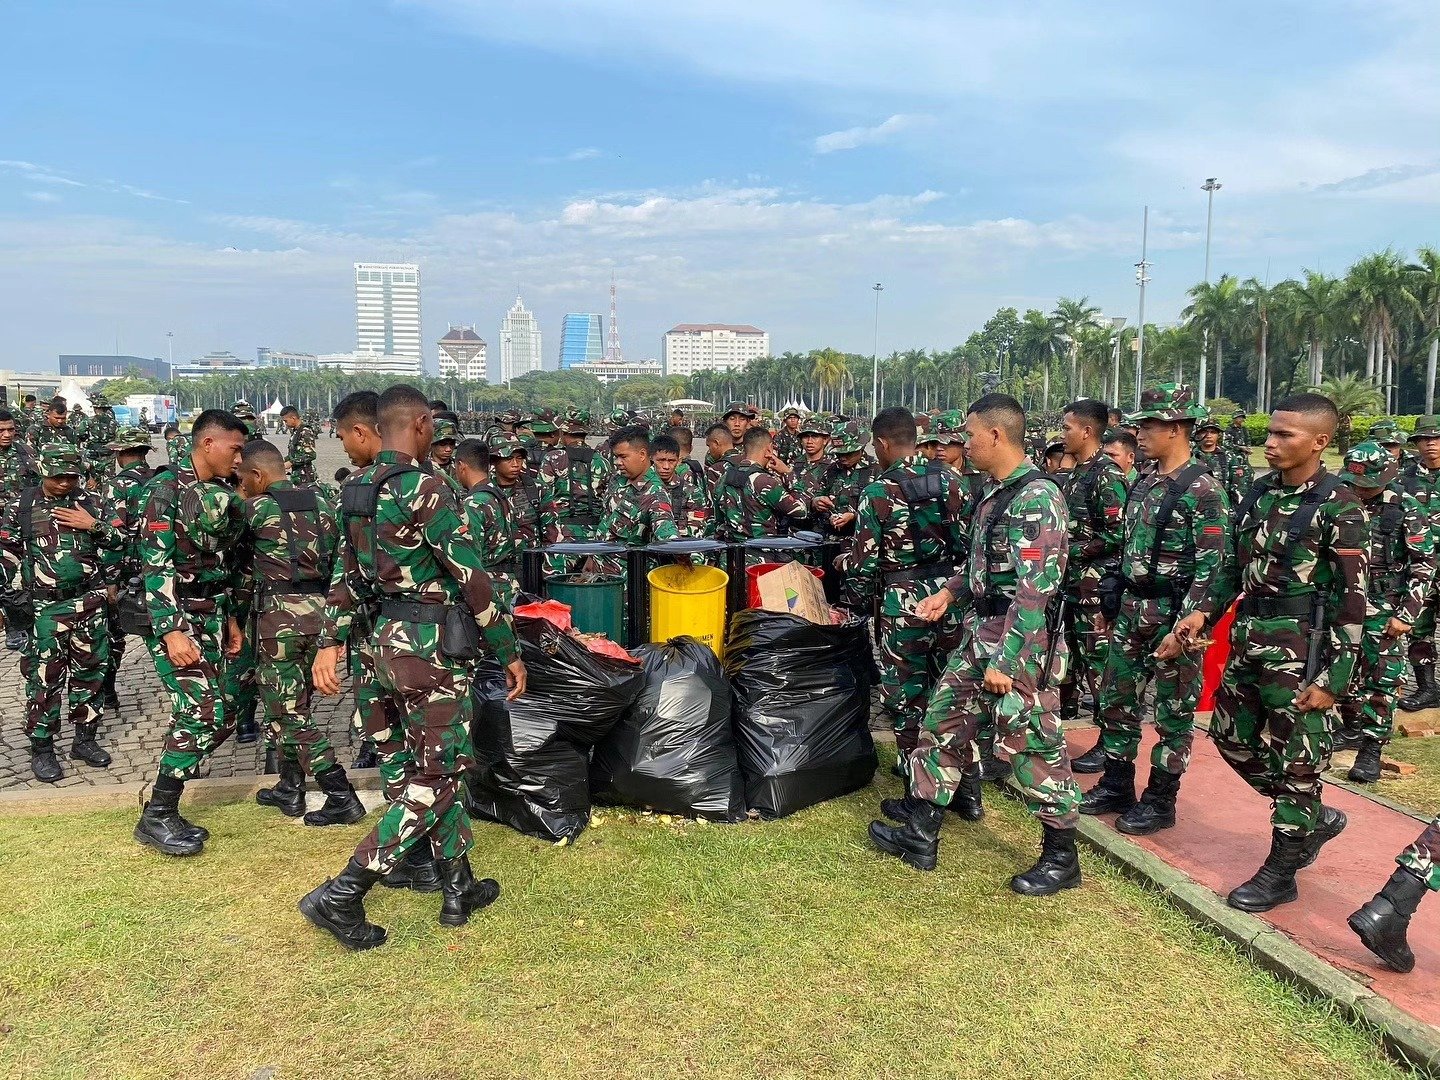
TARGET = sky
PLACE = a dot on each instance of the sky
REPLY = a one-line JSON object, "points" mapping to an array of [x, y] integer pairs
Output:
{"points": [[212, 170]]}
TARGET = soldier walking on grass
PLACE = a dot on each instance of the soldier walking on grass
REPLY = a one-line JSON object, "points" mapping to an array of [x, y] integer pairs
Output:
{"points": [[415, 554], [1010, 658], [1421, 478]]}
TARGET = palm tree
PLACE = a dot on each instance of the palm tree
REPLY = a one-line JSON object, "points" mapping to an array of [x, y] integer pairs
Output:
{"points": [[1256, 301], [1068, 319], [1424, 286], [1376, 287], [1315, 308], [1214, 310], [829, 371], [1353, 396], [1036, 346]]}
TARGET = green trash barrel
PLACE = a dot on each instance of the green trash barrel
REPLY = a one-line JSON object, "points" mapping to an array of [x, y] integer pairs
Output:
{"points": [[597, 602]]}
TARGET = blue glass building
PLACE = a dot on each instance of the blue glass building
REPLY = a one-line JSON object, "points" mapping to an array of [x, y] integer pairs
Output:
{"points": [[582, 340]]}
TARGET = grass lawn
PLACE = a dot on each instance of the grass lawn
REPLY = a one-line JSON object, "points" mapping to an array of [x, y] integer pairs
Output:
{"points": [[1420, 791], [649, 948]]}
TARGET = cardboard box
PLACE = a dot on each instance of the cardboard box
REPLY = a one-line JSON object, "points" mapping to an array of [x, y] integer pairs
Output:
{"points": [[794, 590]]}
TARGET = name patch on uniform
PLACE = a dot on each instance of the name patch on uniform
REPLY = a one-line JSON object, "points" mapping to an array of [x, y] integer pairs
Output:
{"points": [[1030, 553], [159, 526], [1212, 530]]}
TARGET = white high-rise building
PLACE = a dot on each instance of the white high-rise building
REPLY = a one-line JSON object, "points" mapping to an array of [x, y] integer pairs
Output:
{"points": [[519, 343], [692, 347], [387, 309]]}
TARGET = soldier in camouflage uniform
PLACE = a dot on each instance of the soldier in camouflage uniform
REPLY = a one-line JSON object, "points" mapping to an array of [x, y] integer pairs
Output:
{"points": [[544, 437], [739, 418], [1094, 491], [909, 540], [1387, 433], [1402, 574], [1236, 440], [572, 482], [752, 502], [243, 411], [191, 519], [1175, 538], [442, 450], [177, 446], [721, 452], [688, 506], [807, 477], [1301, 559], [787, 441], [491, 530], [301, 455], [289, 547], [416, 556], [1421, 478], [99, 433], [28, 416], [1382, 922], [80, 425], [1011, 656], [53, 428], [848, 476], [507, 473], [123, 495], [637, 511], [53, 536], [18, 471], [1228, 466]]}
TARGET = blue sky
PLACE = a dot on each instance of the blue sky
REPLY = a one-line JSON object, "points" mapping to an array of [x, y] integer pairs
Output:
{"points": [[214, 169]]}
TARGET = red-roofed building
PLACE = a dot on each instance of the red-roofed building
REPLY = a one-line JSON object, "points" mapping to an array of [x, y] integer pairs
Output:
{"points": [[462, 354], [692, 347]]}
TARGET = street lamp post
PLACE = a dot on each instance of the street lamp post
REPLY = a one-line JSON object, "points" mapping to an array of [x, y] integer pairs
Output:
{"points": [[170, 352], [1210, 186], [1117, 323], [1142, 278], [875, 355]]}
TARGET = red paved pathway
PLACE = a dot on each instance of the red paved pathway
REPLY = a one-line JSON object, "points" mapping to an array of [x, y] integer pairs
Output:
{"points": [[1223, 835]]}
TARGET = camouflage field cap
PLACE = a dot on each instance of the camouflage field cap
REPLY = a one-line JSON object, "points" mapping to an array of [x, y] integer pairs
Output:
{"points": [[1208, 424], [544, 422], [61, 459], [739, 408], [1369, 466], [1426, 427], [97, 400], [1168, 401], [847, 438], [242, 410], [445, 431], [1386, 433], [511, 416], [501, 445], [815, 424], [950, 426], [786, 414], [129, 438]]}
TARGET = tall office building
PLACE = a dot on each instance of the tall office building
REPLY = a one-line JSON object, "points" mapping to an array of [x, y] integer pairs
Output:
{"points": [[692, 347], [462, 354], [582, 340], [387, 309], [519, 342]]}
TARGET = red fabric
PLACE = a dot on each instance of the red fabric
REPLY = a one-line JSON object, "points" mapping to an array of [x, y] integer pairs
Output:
{"points": [[1214, 663], [552, 611]]}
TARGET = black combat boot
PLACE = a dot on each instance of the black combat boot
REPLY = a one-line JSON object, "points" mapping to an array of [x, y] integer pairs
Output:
{"points": [[968, 802], [43, 762], [287, 796], [1092, 761], [1115, 792], [83, 746], [417, 871], [1347, 738], [246, 729], [366, 758], [1331, 824], [1366, 769], [917, 841], [272, 761], [1383, 920], [1057, 868], [1156, 808], [462, 895], [161, 825], [901, 810], [1274, 883], [108, 698], [339, 907], [1427, 694], [991, 767], [342, 805]]}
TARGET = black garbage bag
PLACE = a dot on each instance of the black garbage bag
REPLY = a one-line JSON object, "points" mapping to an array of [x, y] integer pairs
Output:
{"points": [[532, 756], [674, 750], [802, 708]]}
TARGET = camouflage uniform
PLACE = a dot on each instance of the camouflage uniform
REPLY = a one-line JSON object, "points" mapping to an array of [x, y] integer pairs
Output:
{"points": [[903, 551], [752, 503], [637, 513], [493, 534], [123, 494], [19, 469], [689, 508], [44, 434], [64, 569], [807, 478], [419, 562], [99, 434], [1006, 627], [844, 483], [177, 448], [1417, 480], [572, 482], [301, 456], [1226, 464], [1402, 573], [1422, 858], [787, 446]]}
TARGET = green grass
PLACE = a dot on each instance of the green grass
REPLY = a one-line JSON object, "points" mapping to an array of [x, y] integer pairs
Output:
{"points": [[783, 949], [1421, 790]]}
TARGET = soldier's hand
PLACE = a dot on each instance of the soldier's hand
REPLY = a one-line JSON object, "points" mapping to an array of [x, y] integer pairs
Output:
{"points": [[1170, 647], [839, 521], [933, 608], [824, 502], [180, 650], [1315, 698], [1396, 628], [234, 639], [323, 672], [72, 517], [112, 593], [1189, 626], [997, 682], [515, 679]]}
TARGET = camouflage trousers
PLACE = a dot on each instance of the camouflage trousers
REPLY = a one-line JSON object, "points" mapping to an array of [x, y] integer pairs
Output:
{"points": [[117, 643], [1027, 728], [199, 719], [1087, 647], [912, 656], [241, 692], [1371, 709], [1276, 750], [66, 647], [304, 475], [285, 690], [380, 721], [1422, 635], [1140, 627], [1423, 856], [431, 693]]}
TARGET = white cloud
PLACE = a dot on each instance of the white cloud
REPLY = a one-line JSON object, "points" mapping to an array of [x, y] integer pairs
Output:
{"points": [[854, 137], [42, 196]]}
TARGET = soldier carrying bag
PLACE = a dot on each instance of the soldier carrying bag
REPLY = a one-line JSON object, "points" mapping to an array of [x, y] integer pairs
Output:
{"points": [[18, 605]]}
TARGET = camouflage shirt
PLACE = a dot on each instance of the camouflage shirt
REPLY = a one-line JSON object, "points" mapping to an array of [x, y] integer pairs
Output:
{"points": [[844, 484], [493, 534], [751, 504], [1402, 555], [124, 496], [523, 502], [1415, 479], [1025, 564], [1232, 470], [18, 470], [182, 553], [177, 448], [1192, 548], [54, 559], [420, 552], [102, 430], [572, 482], [714, 470], [688, 508], [1095, 494], [808, 478], [290, 554], [788, 448], [301, 455], [638, 512], [43, 434]]}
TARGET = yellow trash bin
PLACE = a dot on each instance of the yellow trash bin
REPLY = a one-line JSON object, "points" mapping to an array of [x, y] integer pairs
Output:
{"points": [[689, 601]]}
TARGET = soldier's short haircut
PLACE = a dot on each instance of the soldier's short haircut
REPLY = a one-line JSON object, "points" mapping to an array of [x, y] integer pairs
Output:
{"points": [[895, 425], [1004, 412], [436, 403], [218, 420], [755, 438], [665, 444], [361, 407], [1125, 439], [1116, 417], [57, 405], [289, 410], [632, 435], [475, 453], [400, 405], [262, 454], [1312, 404], [29, 398], [171, 429], [1092, 412], [719, 431], [6, 414], [342, 474]]}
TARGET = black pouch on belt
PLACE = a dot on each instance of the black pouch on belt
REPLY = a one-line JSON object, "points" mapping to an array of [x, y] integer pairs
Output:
{"points": [[459, 635]]}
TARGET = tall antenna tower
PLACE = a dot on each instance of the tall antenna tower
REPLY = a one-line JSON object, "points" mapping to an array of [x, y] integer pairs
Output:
{"points": [[612, 343]]}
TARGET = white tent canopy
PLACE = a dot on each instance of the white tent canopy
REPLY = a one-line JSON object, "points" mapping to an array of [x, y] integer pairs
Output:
{"points": [[274, 409], [690, 403], [73, 395], [795, 405]]}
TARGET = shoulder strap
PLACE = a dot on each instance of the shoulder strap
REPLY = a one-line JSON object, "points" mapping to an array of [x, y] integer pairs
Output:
{"points": [[27, 514], [1263, 486], [1305, 513], [1175, 489], [359, 499], [294, 501], [930, 487], [1003, 498]]}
